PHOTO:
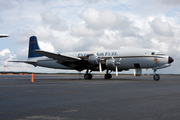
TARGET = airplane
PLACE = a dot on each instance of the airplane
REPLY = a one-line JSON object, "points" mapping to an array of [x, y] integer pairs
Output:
{"points": [[110, 60], [3, 35]]}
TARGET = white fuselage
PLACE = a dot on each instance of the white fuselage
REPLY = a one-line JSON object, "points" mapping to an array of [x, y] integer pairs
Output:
{"points": [[128, 58]]}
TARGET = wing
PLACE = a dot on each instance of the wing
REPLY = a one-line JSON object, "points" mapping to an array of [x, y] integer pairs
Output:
{"points": [[69, 61], [58, 57]]}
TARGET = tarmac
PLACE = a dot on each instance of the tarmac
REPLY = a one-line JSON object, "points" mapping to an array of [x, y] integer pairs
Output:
{"points": [[70, 97]]}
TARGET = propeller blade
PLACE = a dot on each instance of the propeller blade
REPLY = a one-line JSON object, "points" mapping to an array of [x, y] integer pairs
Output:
{"points": [[134, 72], [116, 70], [100, 68]]}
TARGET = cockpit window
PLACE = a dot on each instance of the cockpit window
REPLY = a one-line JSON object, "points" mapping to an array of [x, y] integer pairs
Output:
{"points": [[156, 53], [159, 53]]}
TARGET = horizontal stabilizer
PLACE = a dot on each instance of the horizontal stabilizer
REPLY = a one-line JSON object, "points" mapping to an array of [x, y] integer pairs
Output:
{"points": [[54, 56], [30, 62]]}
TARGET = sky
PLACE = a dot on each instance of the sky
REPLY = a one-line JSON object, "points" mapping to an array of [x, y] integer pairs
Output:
{"points": [[88, 25]]}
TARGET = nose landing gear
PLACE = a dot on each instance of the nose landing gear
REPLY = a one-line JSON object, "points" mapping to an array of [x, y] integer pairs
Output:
{"points": [[156, 77]]}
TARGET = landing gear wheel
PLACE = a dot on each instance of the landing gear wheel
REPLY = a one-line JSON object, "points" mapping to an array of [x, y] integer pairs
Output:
{"points": [[156, 77], [87, 76], [107, 76]]}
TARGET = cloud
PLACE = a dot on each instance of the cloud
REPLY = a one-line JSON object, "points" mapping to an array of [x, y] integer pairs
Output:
{"points": [[22, 36], [22, 53], [82, 30], [170, 2], [104, 29], [46, 46], [43, 33], [161, 28], [90, 1], [104, 19], [5, 5], [1, 21], [99, 21], [5, 51], [53, 20], [5, 55]]}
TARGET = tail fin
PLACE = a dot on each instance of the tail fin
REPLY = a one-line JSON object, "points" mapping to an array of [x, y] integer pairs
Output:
{"points": [[33, 45]]}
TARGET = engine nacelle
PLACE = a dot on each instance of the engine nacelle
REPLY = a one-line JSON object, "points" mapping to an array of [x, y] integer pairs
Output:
{"points": [[110, 64], [137, 72], [93, 60]]}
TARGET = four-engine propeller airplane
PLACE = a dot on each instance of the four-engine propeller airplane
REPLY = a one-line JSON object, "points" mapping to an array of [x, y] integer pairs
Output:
{"points": [[117, 60]]}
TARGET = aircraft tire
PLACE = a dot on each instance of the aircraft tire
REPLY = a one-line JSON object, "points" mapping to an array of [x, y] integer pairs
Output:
{"points": [[87, 76], [156, 77], [107, 76], [90, 76]]}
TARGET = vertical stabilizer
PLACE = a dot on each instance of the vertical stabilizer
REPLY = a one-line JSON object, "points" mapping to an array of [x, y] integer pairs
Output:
{"points": [[33, 45]]}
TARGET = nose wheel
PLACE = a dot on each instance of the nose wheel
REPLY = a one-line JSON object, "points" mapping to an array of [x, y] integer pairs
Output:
{"points": [[156, 77]]}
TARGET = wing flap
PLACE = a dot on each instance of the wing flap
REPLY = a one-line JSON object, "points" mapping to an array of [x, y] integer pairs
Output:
{"points": [[59, 57]]}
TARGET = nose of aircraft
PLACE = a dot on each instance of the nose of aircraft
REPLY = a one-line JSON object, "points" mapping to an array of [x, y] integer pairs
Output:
{"points": [[170, 59]]}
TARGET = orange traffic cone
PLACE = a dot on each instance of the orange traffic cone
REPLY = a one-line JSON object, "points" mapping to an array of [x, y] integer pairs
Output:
{"points": [[32, 79]]}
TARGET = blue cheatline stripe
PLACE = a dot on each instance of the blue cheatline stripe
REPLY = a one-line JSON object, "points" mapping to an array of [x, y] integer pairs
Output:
{"points": [[33, 45]]}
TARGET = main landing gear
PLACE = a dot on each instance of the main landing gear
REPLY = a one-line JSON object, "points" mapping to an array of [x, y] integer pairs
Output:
{"points": [[156, 77], [87, 75], [107, 75]]}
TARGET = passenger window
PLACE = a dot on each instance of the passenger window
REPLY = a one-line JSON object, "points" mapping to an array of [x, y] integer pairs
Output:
{"points": [[152, 53]]}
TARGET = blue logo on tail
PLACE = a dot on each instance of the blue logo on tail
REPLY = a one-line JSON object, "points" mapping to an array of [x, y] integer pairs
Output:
{"points": [[33, 45]]}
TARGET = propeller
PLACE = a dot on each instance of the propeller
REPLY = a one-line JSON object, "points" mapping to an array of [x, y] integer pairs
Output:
{"points": [[134, 72], [116, 65], [99, 60], [116, 70], [100, 68]]}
